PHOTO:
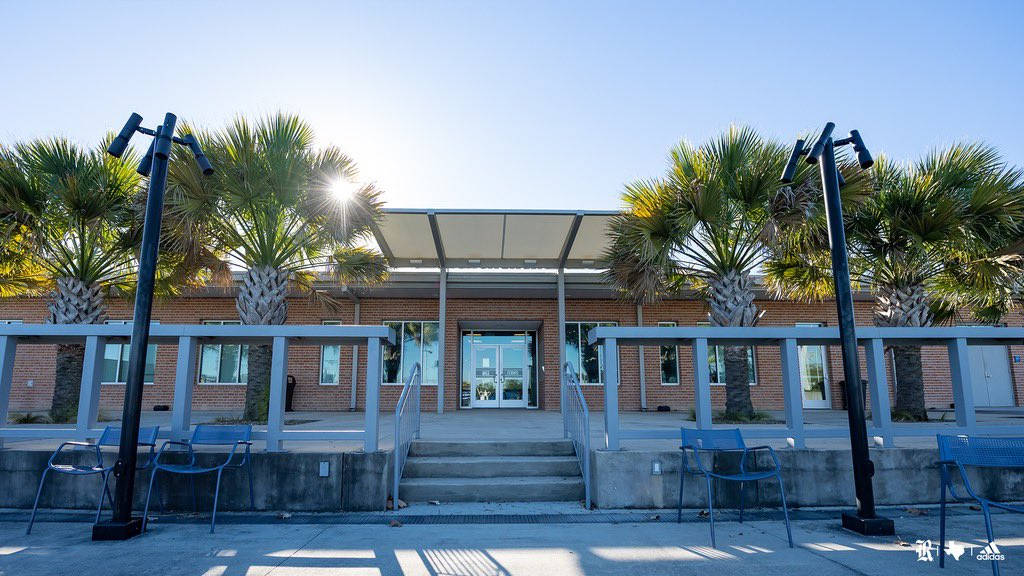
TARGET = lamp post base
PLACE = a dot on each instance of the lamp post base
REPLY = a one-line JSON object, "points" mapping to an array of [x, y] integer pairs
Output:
{"points": [[877, 526], [111, 530]]}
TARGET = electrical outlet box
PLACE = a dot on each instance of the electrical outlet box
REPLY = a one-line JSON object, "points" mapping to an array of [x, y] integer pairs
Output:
{"points": [[656, 468], [325, 469]]}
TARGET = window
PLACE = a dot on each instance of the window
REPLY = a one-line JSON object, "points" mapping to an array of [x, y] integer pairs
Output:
{"points": [[115, 361], [587, 359], [716, 361], [417, 342], [330, 360], [669, 361], [224, 363]]}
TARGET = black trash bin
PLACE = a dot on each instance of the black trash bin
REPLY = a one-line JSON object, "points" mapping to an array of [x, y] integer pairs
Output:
{"points": [[863, 393], [289, 393]]}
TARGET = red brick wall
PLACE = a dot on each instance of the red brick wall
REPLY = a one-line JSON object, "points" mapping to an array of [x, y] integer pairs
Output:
{"points": [[35, 363]]}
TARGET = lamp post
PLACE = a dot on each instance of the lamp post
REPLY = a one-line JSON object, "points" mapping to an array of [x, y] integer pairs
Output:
{"points": [[154, 165], [864, 520]]}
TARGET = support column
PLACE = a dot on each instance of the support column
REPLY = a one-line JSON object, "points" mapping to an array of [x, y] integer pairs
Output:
{"points": [[701, 384], [89, 395], [874, 352], [792, 391], [372, 422], [963, 394], [8, 346], [611, 394], [643, 368], [355, 364], [561, 350], [441, 322], [278, 388], [184, 380]]}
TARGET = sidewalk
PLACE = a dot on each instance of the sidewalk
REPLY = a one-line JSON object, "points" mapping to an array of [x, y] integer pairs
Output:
{"points": [[492, 549]]}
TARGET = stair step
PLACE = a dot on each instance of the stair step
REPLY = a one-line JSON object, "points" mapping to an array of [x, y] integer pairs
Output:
{"points": [[492, 448], [499, 489], [490, 466]]}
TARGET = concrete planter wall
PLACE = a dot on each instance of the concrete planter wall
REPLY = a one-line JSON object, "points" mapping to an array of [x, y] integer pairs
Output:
{"points": [[623, 479], [357, 481]]}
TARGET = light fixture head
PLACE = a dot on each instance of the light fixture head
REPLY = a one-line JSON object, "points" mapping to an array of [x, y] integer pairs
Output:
{"points": [[819, 145], [120, 143], [863, 156], [790, 172]]}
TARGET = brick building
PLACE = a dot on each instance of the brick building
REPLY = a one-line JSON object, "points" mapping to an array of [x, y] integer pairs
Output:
{"points": [[490, 304]]}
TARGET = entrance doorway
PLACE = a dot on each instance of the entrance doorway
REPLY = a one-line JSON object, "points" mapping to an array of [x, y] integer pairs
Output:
{"points": [[814, 375], [498, 370], [990, 376]]}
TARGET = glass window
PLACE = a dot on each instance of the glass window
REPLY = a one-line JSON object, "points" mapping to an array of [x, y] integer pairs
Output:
{"points": [[417, 342], [716, 362], [224, 363], [587, 359], [669, 361], [330, 360], [115, 361]]}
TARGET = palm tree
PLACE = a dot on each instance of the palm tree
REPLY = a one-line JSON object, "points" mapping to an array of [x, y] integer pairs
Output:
{"points": [[67, 219], [708, 224], [932, 239], [272, 210]]}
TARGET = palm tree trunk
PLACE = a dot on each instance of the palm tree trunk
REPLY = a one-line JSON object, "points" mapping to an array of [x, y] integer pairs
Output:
{"points": [[731, 302], [906, 306], [909, 383], [262, 300], [73, 302]]}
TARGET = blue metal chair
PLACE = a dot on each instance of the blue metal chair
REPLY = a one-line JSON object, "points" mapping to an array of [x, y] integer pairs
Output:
{"points": [[111, 436], [976, 452], [206, 435], [696, 442]]}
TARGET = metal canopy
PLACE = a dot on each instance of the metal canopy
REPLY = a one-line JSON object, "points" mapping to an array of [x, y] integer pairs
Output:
{"points": [[427, 238]]}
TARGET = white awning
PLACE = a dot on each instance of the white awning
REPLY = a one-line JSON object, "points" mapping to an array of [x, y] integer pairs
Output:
{"points": [[493, 238]]}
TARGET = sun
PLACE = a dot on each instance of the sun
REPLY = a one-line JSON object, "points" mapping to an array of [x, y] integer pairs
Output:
{"points": [[343, 189]]}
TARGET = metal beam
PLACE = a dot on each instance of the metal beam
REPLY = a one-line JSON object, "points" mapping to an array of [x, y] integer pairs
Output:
{"points": [[381, 242], [355, 361], [441, 323], [435, 231], [561, 347], [640, 354], [570, 238]]}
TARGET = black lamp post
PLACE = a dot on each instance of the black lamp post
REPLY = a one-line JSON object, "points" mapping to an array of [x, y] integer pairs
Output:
{"points": [[153, 165], [864, 520]]}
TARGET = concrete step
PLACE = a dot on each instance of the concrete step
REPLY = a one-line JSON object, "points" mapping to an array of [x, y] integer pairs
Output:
{"points": [[501, 489], [490, 466], [492, 448]]}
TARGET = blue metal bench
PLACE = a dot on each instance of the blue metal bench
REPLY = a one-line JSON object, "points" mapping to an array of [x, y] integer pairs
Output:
{"points": [[206, 435], [696, 442], [111, 436], [975, 452]]}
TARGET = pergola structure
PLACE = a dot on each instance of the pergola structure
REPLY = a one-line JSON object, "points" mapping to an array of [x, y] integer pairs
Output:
{"points": [[498, 241]]}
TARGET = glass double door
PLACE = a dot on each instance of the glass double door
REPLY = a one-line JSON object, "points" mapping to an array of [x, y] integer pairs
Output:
{"points": [[499, 375]]}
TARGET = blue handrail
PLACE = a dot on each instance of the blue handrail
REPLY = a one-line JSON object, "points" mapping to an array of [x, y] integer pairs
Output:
{"points": [[407, 425], [577, 424]]}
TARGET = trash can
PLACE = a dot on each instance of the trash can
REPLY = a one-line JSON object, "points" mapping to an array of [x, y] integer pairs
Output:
{"points": [[289, 393], [863, 393]]}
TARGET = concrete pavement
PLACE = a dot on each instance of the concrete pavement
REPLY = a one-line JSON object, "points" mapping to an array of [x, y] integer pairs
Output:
{"points": [[547, 549]]}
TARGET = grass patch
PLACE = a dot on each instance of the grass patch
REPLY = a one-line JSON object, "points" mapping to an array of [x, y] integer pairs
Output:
{"points": [[28, 418], [902, 416], [734, 418], [232, 420]]}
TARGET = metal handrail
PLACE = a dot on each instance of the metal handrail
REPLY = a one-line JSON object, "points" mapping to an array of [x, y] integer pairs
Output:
{"points": [[407, 425], [576, 421]]}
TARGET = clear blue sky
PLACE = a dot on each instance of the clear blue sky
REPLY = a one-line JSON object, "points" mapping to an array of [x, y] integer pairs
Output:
{"points": [[526, 104]]}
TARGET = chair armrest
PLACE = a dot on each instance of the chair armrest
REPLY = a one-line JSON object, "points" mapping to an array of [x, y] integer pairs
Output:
{"points": [[163, 448], [76, 444], [762, 448]]}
